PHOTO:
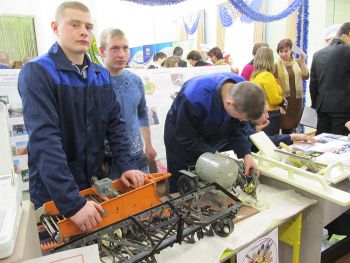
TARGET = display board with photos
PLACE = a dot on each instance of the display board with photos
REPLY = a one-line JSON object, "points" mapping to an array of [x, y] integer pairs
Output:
{"points": [[161, 87], [18, 133], [142, 56]]}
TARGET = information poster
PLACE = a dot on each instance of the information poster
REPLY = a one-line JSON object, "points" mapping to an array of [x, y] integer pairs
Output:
{"points": [[18, 133], [264, 250], [142, 56], [161, 87]]}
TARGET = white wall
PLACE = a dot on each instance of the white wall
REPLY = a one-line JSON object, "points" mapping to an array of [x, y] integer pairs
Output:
{"points": [[275, 31], [141, 24], [43, 12], [147, 25], [138, 22], [239, 43], [316, 26], [32, 8]]}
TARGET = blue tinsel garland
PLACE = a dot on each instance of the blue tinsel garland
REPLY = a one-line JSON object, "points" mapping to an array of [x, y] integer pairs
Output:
{"points": [[225, 18], [244, 9], [299, 21], [303, 37], [303, 32], [193, 28], [156, 2], [306, 27], [255, 5]]}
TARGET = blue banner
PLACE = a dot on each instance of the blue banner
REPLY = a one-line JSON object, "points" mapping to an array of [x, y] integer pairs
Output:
{"points": [[136, 56], [148, 52], [143, 55]]}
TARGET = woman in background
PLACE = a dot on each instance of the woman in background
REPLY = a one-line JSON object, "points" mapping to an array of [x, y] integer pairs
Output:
{"points": [[291, 73], [195, 59], [263, 76], [248, 69], [171, 62], [218, 59]]}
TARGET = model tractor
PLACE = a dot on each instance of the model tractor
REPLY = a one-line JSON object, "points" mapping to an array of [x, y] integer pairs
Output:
{"points": [[221, 169]]}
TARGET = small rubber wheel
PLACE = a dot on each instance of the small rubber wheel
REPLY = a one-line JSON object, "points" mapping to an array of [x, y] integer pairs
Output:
{"points": [[186, 184], [224, 227]]}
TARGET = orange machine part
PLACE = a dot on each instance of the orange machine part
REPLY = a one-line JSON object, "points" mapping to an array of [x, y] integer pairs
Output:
{"points": [[130, 202]]}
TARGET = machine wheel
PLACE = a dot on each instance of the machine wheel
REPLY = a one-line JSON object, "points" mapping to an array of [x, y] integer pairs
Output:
{"points": [[186, 184], [223, 227]]}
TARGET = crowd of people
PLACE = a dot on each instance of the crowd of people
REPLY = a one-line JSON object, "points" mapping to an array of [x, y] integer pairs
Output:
{"points": [[196, 58], [74, 109]]}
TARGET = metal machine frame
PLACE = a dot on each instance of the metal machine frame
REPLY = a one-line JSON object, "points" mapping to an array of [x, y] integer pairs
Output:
{"points": [[205, 211]]}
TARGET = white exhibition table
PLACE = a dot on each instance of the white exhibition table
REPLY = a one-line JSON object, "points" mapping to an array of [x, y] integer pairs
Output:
{"points": [[280, 205], [315, 219], [27, 241]]}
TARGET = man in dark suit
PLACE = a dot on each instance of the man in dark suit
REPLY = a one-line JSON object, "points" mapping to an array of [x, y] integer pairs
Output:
{"points": [[330, 84], [178, 51]]}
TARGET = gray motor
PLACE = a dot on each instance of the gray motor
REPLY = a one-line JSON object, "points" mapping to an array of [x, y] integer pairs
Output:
{"points": [[217, 168]]}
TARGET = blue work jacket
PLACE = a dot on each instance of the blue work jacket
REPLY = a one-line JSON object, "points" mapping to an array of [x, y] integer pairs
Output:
{"points": [[197, 123], [68, 113]]}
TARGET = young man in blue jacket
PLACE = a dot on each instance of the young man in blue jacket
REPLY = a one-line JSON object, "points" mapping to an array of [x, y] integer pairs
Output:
{"points": [[69, 108], [130, 93], [210, 114]]}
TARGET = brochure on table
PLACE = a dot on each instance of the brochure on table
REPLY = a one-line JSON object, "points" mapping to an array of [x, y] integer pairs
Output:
{"points": [[328, 148]]}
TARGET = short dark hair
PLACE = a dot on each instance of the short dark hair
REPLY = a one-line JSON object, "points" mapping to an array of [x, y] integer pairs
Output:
{"points": [[194, 55], [215, 51], [344, 29], [178, 51], [159, 55], [257, 46], [284, 43], [248, 98]]}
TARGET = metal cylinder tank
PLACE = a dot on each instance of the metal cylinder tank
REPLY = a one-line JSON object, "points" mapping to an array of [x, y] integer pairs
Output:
{"points": [[217, 168]]}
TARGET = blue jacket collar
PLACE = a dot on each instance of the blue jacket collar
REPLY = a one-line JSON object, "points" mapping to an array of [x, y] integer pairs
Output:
{"points": [[63, 63], [218, 97]]}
